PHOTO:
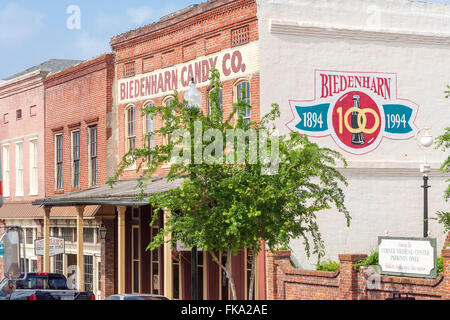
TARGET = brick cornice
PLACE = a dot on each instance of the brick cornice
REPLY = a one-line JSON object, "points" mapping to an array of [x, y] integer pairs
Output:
{"points": [[80, 70], [23, 83], [205, 11]]}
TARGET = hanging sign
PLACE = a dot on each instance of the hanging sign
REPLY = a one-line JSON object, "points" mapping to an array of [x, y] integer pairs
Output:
{"points": [[356, 109], [412, 257], [57, 246]]}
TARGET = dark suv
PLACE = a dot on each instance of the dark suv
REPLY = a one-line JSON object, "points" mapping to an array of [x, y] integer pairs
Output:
{"points": [[43, 286]]}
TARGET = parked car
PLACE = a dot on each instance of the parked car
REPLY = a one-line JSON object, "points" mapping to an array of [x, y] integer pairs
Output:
{"points": [[136, 297], [41, 286]]}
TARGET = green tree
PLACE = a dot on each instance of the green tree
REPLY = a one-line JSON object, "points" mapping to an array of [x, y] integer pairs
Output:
{"points": [[443, 142], [224, 206]]}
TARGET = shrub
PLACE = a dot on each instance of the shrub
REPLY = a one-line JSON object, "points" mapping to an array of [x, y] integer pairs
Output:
{"points": [[327, 266]]}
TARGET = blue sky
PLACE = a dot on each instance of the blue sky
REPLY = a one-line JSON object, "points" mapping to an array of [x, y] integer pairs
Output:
{"points": [[34, 31]]}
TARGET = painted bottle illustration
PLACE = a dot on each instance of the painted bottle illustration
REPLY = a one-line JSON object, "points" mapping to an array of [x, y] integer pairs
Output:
{"points": [[357, 138]]}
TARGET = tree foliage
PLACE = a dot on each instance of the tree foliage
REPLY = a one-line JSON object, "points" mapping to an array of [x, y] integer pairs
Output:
{"points": [[224, 207]]}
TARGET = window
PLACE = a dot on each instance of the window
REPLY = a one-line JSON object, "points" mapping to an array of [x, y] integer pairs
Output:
{"points": [[59, 263], [243, 92], [33, 167], [130, 128], [155, 254], [5, 118], [149, 130], [5, 166], [29, 235], [19, 169], [67, 234], [208, 108], [240, 36], [128, 69], [19, 114], [33, 111], [166, 139], [54, 232], [59, 162], [88, 273], [93, 161], [76, 159], [88, 235], [135, 261]]}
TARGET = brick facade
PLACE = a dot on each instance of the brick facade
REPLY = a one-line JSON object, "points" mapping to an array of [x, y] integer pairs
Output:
{"points": [[77, 98], [192, 33], [284, 282]]}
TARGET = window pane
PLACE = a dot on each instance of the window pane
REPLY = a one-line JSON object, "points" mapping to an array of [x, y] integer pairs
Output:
{"points": [[88, 273], [88, 235]]}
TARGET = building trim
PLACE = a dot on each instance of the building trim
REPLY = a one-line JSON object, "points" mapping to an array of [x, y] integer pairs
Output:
{"points": [[297, 28]]}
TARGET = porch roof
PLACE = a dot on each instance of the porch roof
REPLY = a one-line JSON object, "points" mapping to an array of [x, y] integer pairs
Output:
{"points": [[123, 193]]}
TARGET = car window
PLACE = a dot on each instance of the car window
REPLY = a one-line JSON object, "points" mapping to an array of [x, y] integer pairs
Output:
{"points": [[113, 298], [57, 283], [154, 298]]}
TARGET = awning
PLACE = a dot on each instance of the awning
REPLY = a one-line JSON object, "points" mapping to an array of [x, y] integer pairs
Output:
{"points": [[24, 210], [123, 193]]}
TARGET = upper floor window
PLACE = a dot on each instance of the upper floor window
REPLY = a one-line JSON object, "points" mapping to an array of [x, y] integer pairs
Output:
{"points": [[128, 69], [242, 91], [19, 169], [167, 101], [19, 114], [5, 167], [130, 128], [59, 162], [208, 107], [149, 129], [93, 161], [240, 36], [33, 166], [76, 159]]}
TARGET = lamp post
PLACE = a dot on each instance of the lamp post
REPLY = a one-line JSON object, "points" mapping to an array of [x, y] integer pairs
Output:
{"points": [[425, 141], [194, 99]]}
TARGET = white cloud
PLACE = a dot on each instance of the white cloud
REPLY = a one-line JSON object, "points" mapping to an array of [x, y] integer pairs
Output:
{"points": [[141, 15], [18, 25]]}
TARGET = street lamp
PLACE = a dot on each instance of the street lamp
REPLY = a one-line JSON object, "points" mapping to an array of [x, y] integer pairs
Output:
{"points": [[425, 141], [194, 99], [102, 232]]}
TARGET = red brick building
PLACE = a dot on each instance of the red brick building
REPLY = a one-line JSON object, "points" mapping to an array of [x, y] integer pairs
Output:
{"points": [[78, 105], [152, 61]]}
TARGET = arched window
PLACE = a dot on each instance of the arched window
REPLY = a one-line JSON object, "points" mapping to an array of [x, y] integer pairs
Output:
{"points": [[149, 128], [242, 91], [166, 102], [208, 108], [130, 128]]}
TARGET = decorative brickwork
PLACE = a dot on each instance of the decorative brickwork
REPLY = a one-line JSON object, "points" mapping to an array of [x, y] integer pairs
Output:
{"points": [[287, 283]]}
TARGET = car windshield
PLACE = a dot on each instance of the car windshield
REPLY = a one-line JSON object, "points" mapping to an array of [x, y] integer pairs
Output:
{"points": [[43, 282]]}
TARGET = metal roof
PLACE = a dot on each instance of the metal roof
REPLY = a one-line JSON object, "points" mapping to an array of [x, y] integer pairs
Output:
{"points": [[124, 193], [52, 65], [22, 210]]}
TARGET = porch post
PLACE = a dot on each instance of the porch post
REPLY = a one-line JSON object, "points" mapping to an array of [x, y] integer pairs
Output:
{"points": [[80, 248], [168, 271], [121, 249], [47, 239]]}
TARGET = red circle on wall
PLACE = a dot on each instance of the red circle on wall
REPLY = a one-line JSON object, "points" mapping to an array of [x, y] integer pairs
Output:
{"points": [[356, 140]]}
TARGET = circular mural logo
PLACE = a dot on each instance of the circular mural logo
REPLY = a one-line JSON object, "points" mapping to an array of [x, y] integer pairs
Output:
{"points": [[356, 120], [356, 109]]}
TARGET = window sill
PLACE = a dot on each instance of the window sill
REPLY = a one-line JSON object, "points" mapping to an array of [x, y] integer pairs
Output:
{"points": [[33, 194], [59, 191]]}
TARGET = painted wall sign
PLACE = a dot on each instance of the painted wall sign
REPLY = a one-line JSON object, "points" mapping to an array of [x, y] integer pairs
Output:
{"points": [[231, 63], [356, 109], [57, 246], [414, 257]]}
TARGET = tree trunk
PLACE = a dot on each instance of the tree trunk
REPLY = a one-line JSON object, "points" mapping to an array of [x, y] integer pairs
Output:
{"points": [[227, 269], [251, 289]]}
